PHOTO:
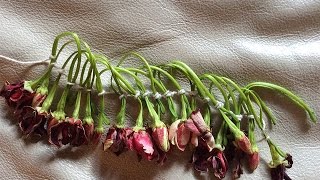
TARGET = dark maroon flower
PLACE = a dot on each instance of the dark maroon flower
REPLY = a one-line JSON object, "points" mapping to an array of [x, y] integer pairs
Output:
{"points": [[60, 132], [16, 96], [219, 163], [236, 163], [89, 130], [31, 121], [78, 135], [116, 140], [279, 172], [204, 158]]}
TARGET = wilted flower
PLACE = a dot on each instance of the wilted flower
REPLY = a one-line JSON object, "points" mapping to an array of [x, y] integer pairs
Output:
{"points": [[219, 163], [278, 172], [78, 136], [141, 142], [60, 132], [198, 127], [204, 159], [32, 121], [16, 96], [116, 140], [179, 135]]}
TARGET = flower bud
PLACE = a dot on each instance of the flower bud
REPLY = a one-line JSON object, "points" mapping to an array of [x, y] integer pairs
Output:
{"points": [[253, 160], [161, 137], [243, 143]]}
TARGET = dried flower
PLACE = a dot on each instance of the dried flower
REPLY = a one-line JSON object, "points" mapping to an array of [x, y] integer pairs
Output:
{"points": [[31, 121], [16, 96], [179, 135], [141, 142], [116, 140]]}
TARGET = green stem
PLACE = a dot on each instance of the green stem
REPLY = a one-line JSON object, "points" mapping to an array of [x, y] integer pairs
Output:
{"points": [[139, 121], [288, 93], [121, 115], [48, 101], [146, 64], [76, 110]]}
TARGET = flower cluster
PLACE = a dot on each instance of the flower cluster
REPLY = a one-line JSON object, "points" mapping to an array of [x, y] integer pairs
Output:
{"points": [[152, 138]]}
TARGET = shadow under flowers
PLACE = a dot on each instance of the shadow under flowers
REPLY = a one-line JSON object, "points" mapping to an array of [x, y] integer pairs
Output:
{"points": [[126, 166]]}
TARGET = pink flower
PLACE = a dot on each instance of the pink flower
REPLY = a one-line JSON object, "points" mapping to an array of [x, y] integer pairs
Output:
{"points": [[31, 121], [179, 135], [161, 137], [198, 128], [116, 140], [16, 96], [141, 142], [253, 160], [243, 143]]}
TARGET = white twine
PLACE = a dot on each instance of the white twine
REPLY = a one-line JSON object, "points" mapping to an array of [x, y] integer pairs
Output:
{"points": [[147, 93], [52, 57], [239, 117], [267, 137], [250, 116], [138, 93], [181, 92], [122, 96], [103, 92], [219, 105], [25, 62], [169, 93], [207, 99], [157, 95], [71, 83]]}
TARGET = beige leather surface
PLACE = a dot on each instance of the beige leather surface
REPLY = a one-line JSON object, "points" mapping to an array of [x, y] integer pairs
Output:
{"points": [[273, 41]]}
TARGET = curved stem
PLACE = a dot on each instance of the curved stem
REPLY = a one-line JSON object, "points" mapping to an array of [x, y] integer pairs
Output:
{"points": [[288, 93]]}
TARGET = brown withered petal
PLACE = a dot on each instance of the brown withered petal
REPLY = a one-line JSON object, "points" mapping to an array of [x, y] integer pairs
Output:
{"points": [[60, 133], [116, 140], [219, 163], [278, 173], [16, 96], [89, 130], [78, 137], [32, 122], [290, 161], [236, 163]]}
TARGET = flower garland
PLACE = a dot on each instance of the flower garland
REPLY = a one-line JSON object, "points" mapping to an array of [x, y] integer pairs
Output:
{"points": [[240, 112]]}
